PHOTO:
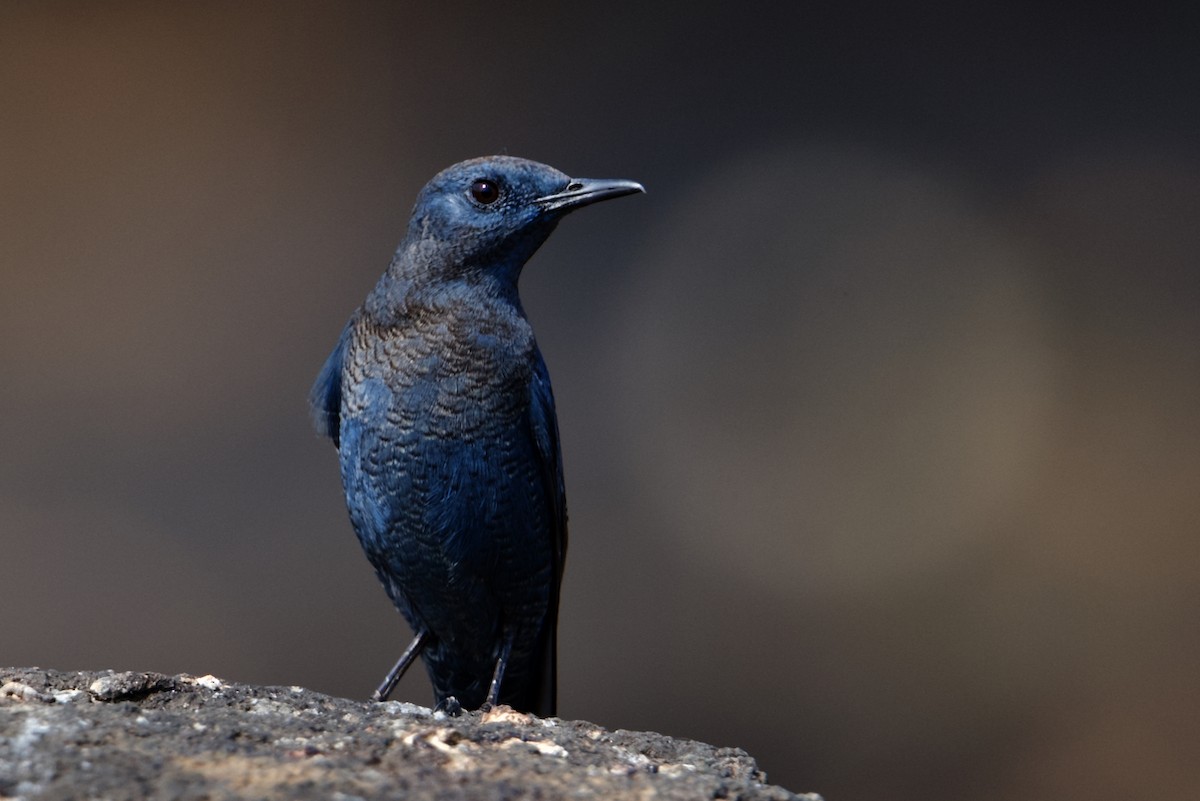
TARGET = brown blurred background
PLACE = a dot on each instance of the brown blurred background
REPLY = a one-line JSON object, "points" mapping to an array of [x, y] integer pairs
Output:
{"points": [[881, 411]]}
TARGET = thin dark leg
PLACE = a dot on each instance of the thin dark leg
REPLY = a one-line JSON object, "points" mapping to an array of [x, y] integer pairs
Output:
{"points": [[406, 659], [497, 677]]}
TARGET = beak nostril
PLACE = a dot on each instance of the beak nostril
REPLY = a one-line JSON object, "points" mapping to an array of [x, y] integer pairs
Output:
{"points": [[574, 186]]}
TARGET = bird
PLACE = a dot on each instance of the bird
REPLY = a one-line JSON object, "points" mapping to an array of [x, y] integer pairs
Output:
{"points": [[439, 404]]}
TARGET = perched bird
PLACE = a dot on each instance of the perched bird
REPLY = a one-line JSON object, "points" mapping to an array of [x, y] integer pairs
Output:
{"points": [[439, 403]]}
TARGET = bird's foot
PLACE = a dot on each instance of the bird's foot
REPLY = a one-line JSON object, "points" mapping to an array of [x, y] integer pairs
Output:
{"points": [[450, 706]]}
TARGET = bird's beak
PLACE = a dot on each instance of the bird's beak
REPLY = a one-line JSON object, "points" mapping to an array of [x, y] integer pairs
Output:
{"points": [[585, 191]]}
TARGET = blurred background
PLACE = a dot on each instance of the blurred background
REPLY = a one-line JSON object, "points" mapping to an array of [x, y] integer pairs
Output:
{"points": [[880, 411]]}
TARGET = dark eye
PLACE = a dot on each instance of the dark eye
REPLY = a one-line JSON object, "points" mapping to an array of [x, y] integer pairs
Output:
{"points": [[485, 191]]}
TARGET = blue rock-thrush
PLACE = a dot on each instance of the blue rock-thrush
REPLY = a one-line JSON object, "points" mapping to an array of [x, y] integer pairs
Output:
{"points": [[439, 403]]}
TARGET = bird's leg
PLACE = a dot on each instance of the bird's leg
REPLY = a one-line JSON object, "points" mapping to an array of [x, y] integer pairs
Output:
{"points": [[406, 659], [493, 696]]}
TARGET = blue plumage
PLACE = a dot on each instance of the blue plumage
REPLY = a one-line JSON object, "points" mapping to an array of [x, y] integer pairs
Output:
{"points": [[440, 405]]}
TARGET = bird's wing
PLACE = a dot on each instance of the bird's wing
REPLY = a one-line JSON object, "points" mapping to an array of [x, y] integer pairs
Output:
{"points": [[545, 432], [325, 397]]}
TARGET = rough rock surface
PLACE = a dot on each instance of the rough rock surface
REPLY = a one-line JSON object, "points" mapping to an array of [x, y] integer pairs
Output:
{"points": [[145, 735]]}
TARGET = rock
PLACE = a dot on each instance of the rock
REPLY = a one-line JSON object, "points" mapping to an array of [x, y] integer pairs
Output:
{"points": [[146, 735]]}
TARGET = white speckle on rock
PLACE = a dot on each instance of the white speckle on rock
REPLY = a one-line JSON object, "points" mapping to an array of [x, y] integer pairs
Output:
{"points": [[263, 706], [440, 739], [70, 696], [676, 768], [634, 758], [28, 789], [544, 747], [32, 730], [24, 747], [506, 714], [210, 682], [15, 689], [410, 709]]}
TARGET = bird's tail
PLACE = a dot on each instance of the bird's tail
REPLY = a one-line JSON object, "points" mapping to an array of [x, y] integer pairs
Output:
{"points": [[538, 693]]}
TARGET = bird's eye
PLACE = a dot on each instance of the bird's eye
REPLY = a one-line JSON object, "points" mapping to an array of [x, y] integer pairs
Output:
{"points": [[485, 191]]}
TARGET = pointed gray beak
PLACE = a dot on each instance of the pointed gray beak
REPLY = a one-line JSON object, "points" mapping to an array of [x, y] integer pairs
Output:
{"points": [[585, 191]]}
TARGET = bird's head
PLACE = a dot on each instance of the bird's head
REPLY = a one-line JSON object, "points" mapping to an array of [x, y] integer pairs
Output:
{"points": [[492, 213]]}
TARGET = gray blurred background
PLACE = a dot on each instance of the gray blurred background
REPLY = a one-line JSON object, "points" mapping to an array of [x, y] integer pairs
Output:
{"points": [[881, 411]]}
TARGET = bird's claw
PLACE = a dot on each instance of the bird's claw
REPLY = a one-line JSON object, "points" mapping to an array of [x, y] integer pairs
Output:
{"points": [[450, 706]]}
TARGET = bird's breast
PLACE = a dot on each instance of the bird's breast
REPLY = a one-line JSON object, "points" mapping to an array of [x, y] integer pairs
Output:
{"points": [[446, 375], [438, 449]]}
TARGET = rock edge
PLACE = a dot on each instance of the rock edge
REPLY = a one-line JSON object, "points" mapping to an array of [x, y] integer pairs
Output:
{"points": [[131, 735]]}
